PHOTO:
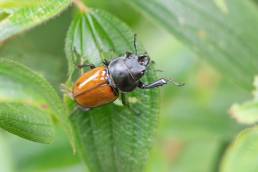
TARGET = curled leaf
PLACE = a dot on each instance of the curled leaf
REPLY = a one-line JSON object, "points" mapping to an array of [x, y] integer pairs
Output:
{"points": [[32, 92]]}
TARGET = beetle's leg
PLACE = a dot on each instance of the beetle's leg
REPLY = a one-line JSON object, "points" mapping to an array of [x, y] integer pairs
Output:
{"points": [[158, 83], [155, 84], [92, 66], [84, 109], [124, 99], [127, 54], [79, 108], [106, 62]]}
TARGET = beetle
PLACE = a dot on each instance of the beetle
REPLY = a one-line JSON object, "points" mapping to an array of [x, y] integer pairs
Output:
{"points": [[102, 85]]}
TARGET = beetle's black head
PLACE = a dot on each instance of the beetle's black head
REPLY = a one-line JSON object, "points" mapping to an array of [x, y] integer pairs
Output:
{"points": [[127, 70], [137, 64]]}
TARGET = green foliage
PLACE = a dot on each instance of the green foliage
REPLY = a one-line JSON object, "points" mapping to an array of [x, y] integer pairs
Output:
{"points": [[214, 29], [114, 137], [217, 31], [195, 128], [18, 16], [242, 154], [21, 85], [27, 121], [28, 93]]}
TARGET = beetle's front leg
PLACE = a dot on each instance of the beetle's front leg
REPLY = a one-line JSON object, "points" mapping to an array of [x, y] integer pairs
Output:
{"points": [[105, 62], [155, 84], [158, 83]]}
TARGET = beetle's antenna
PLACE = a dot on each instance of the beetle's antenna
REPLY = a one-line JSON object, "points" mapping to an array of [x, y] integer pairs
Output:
{"points": [[178, 84], [134, 43]]}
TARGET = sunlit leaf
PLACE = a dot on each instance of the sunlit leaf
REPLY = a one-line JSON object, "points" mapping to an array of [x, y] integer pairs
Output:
{"points": [[18, 16], [113, 137], [32, 92]]}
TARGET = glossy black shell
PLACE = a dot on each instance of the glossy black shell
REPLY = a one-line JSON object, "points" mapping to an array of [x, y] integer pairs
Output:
{"points": [[127, 70]]}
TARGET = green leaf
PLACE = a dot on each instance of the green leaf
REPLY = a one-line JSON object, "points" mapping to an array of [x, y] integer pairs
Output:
{"points": [[242, 154], [247, 112], [31, 93], [35, 50], [214, 29], [18, 16], [112, 137], [26, 121]]}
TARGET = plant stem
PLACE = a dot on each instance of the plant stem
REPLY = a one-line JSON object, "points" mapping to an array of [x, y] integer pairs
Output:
{"points": [[82, 7]]}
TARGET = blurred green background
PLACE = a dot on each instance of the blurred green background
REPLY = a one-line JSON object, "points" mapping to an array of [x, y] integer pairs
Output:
{"points": [[194, 125]]}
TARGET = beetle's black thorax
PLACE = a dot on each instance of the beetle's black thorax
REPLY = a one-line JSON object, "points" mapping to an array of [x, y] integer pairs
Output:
{"points": [[126, 71]]}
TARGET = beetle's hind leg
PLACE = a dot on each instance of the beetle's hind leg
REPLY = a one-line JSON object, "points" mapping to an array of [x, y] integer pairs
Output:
{"points": [[92, 66], [84, 109], [78, 56], [79, 108]]}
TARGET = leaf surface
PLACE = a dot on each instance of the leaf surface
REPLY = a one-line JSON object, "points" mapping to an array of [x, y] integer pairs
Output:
{"points": [[112, 137], [27, 103], [18, 16], [27, 121]]}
